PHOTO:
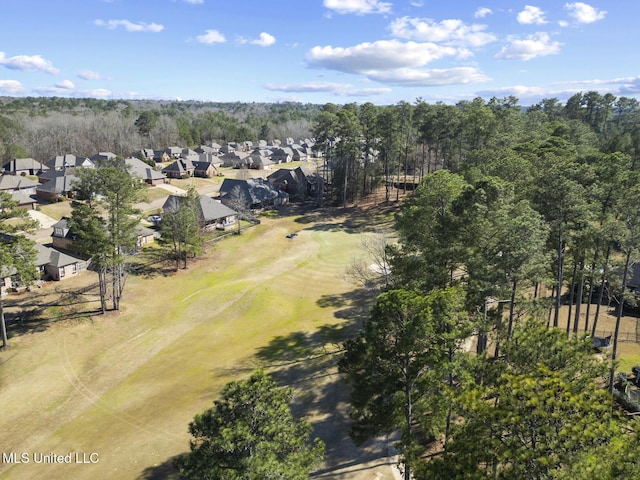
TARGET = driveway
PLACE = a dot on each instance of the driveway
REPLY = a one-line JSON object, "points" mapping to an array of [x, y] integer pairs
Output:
{"points": [[171, 188], [44, 220]]}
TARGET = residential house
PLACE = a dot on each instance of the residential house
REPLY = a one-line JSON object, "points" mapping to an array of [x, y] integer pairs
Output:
{"points": [[211, 212], [57, 187], [24, 201], [204, 169], [149, 154], [103, 158], [144, 171], [210, 158], [61, 236], [228, 148], [67, 163], [145, 236], [299, 153], [18, 183], [261, 159], [56, 265], [299, 183], [24, 166], [252, 193], [207, 149], [181, 168], [236, 159], [282, 155], [189, 154], [174, 152]]}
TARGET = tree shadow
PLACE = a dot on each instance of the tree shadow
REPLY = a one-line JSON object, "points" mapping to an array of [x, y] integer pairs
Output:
{"points": [[164, 471], [151, 263], [26, 314], [308, 362], [350, 305]]}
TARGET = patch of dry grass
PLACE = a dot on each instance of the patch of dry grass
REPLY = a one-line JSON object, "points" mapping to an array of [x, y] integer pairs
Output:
{"points": [[125, 385]]}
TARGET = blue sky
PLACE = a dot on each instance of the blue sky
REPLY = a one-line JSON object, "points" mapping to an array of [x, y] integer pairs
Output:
{"points": [[318, 51]]}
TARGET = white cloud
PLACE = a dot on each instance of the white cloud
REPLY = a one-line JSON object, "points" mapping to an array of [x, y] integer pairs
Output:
{"points": [[409, 77], [531, 15], [584, 13], [380, 55], [520, 91], [194, 2], [11, 87], [210, 37], [536, 45], [89, 75], [62, 90], [66, 84], [264, 40], [130, 26], [359, 7], [450, 31], [96, 92], [28, 62], [482, 12], [343, 89], [417, 4]]}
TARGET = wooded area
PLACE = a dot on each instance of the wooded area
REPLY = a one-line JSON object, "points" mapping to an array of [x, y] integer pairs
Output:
{"points": [[530, 209]]}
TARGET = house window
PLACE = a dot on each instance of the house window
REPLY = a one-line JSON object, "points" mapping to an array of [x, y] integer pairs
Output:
{"points": [[62, 272]]}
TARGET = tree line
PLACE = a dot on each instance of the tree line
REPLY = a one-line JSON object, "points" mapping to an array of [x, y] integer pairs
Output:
{"points": [[522, 227], [44, 127]]}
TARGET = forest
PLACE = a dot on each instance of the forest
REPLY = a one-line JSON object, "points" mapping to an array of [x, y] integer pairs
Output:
{"points": [[523, 228], [522, 225]]}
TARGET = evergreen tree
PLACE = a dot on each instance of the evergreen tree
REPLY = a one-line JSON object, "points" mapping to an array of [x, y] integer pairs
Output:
{"points": [[17, 254], [250, 434]]}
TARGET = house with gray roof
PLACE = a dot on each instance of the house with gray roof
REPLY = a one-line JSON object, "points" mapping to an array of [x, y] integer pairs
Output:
{"points": [[282, 155], [69, 161], [204, 169], [24, 201], [62, 186], [24, 166], [103, 158], [236, 159], [211, 212], [299, 183], [18, 183], [144, 171], [56, 265], [252, 193], [181, 168]]}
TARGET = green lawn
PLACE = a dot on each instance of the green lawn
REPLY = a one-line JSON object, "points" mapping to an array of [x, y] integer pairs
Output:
{"points": [[125, 385], [56, 210]]}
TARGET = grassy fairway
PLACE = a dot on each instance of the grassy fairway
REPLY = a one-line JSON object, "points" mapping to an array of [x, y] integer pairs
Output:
{"points": [[126, 385]]}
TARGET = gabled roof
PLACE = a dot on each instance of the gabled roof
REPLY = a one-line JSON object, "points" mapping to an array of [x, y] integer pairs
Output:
{"points": [[69, 161], [22, 199], [254, 190], [59, 184], [181, 165], [209, 158], [209, 208], [203, 166], [24, 164], [16, 182], [140, 169], [51, 256]]}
